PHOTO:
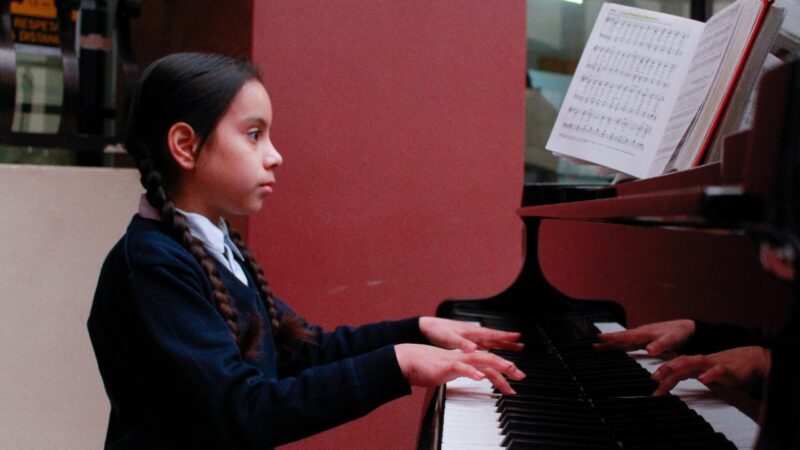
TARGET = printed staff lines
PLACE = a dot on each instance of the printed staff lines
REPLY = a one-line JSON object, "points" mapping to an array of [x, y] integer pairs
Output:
{"points": [[619, 97], [651, 37], [620, 130], [633, 66]]}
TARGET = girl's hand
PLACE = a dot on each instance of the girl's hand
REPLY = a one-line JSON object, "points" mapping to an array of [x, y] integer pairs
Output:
{"points": [[655, 338], [737, 368], [427, 366], [466, 337]]}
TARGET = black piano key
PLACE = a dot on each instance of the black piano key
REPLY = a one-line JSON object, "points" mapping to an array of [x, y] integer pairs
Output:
{"points": [[517, 428], [619, 390], [632, 402], [568, 391], [588, 420], [542, 402], [657, 430], [633, 422], [701, 445], [548, 417], [678, 440], [525, 443], [549, 436], [565, 414]]}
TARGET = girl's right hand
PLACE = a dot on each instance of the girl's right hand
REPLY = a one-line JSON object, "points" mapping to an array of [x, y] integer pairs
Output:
{"points": [[428, 366]]}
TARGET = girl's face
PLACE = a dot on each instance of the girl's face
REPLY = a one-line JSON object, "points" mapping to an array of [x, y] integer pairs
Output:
{"points": [[235, 170]]}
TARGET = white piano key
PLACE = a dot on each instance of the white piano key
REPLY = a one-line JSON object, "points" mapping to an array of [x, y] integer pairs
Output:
{"points": [[470, 418]]}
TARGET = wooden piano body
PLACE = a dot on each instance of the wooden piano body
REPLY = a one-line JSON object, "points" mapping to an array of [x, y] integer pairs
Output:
{"points": [[688, 244]]}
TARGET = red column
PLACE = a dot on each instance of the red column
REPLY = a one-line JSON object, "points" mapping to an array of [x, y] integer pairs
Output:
{"points": [[401, 127]]}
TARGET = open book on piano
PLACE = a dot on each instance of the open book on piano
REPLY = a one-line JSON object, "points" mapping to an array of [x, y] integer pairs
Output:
{"points": [[652, 90]]}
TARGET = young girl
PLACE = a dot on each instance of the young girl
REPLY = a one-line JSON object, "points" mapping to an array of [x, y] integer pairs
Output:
{"points": [[194, 349]]}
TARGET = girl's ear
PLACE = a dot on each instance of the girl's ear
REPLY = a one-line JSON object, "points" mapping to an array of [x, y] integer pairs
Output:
{"points": [[182, 142]]}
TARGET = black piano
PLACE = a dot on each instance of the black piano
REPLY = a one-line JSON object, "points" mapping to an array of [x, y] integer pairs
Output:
{"points": [[687, 244]]}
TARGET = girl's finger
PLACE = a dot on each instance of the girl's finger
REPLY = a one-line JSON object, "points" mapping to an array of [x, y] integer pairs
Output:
{"points": [[712, 375], [486, 359], [501, 345], [465, 345], [514, 373], [486, 334], [498, 381], [665, 386], [465, 370], [686, 366], [655, 348], [604, 346], [662, 372], [619, 341], [613, 346]]}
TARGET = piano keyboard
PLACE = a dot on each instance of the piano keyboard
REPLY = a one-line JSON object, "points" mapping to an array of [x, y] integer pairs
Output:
{"points": [[598, 412]]}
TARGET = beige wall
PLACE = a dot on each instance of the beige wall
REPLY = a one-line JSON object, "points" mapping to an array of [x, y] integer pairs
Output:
{"points": [[56, 226]]}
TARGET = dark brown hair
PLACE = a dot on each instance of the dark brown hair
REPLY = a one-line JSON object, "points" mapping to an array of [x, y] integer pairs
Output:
{"points": [[196, 88]]}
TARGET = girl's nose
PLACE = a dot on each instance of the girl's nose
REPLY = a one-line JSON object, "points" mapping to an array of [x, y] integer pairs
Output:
{"points": [[272, 158]]}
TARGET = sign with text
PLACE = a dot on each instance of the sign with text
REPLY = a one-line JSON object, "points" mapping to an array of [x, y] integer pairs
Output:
{"points": [[35, 22]]}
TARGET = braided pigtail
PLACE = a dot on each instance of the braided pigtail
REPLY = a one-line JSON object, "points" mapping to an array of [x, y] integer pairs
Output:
{"points": [[286, 328], [157, 196]]}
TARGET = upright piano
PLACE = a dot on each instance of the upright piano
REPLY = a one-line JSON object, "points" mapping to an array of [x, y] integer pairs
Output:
{"points": [[716, 242]]}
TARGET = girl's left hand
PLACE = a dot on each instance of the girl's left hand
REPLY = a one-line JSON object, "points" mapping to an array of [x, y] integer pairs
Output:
{"points": [[466, 337]]}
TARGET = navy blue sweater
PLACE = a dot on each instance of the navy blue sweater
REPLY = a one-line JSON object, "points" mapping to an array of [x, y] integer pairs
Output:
{"points": [[176, 379]]}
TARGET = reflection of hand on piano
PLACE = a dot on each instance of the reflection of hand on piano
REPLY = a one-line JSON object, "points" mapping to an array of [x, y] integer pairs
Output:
{"points": [[427, 366], [467, 337], [738, 368], [656, 338]]}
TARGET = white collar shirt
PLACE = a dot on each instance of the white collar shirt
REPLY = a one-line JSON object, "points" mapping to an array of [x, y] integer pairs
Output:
{"points": [[214, 238]]}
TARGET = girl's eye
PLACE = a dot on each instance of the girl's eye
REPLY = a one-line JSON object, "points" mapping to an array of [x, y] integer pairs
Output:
{"points": [[254, 134]]}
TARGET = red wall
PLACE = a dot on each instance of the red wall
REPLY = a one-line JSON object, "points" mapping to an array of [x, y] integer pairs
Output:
{"points": [[401, 127]]}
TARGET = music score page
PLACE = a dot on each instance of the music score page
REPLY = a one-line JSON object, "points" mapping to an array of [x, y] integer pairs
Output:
{"points": [[625, 88]]}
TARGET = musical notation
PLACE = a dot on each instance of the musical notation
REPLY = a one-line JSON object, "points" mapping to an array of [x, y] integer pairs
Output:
{"points": [[625, 88], [619, 130], [634, 67], [619, 97], [655, 38], [627, 71]]}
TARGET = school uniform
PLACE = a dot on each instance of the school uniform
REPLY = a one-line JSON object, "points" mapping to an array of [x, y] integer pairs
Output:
{"points": [[175, 376]]}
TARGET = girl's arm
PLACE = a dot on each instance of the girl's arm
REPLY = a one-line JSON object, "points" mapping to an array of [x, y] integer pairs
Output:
{"points": [[344, 341], [188, 353], [348, 341], [184, 354]]}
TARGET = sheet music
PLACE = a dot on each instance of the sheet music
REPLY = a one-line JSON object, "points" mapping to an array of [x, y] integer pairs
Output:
{"points": [[624, 88], [705, 64]]}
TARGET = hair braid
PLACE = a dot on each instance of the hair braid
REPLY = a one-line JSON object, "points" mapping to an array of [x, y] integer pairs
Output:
{"points": [[287, 327], [157, 196]]}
